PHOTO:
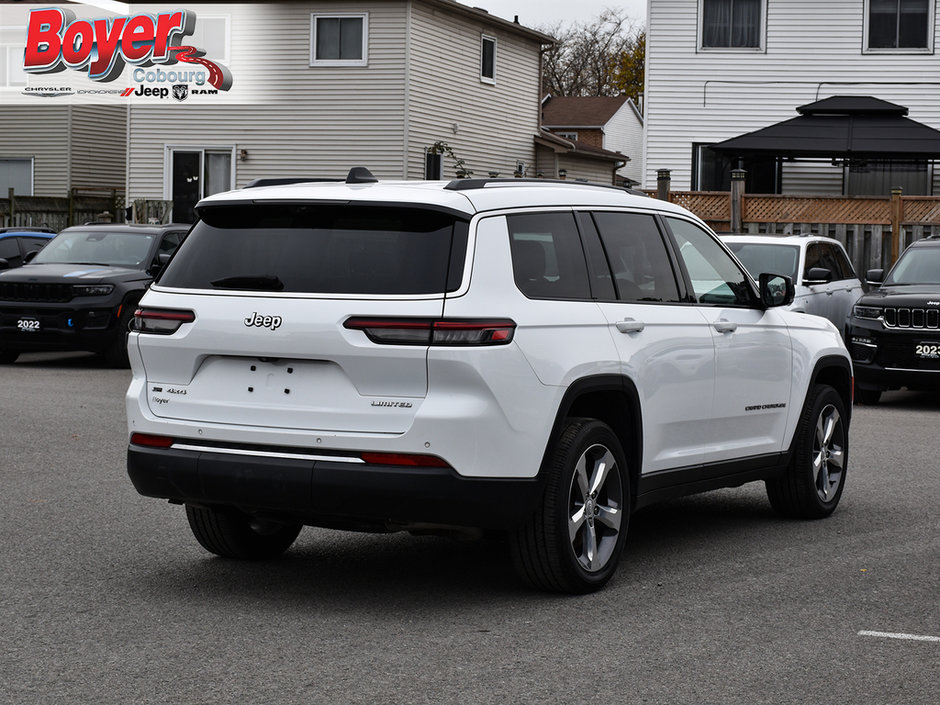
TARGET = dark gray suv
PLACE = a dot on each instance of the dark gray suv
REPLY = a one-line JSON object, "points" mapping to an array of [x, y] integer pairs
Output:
{"points": [[80, 291]]}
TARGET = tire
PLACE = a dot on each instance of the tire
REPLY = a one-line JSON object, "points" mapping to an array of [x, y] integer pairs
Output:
{"points": [[573, 541], [812, 484], [116, 353], [8, 357], [868, 397], [233, 534]]}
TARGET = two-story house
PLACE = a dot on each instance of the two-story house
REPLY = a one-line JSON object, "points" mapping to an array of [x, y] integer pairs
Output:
{"points": [[719, 69], [407, 88], [612, 123]]}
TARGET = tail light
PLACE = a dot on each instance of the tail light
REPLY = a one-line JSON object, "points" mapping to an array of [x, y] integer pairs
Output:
{"points": [[435, 331], [161, 321]]}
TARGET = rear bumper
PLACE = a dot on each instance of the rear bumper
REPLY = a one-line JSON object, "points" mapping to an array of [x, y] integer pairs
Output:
{"points": [[332, 494]]}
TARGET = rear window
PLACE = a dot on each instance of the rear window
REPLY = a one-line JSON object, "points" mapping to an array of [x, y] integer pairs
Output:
{"points": [[321, 249], [770, 258]]}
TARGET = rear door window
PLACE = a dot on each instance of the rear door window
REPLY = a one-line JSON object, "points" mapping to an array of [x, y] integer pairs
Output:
{"points": [[322, 249], [638, 257]]}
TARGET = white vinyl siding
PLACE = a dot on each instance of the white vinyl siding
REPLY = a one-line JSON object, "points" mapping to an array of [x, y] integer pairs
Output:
{"points": [[315, 121], [624, 133], [45, 141], [490, 127], [319, 121], [99, 146], [813, 51]]}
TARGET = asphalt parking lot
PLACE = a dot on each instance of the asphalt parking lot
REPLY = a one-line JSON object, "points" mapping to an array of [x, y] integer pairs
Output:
{"points": [[105, 597]]}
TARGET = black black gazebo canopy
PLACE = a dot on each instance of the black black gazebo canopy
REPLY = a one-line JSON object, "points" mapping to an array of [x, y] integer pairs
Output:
{"points": [[856, 127]]}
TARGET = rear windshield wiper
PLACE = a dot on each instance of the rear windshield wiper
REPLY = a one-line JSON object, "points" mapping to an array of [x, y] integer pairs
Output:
{"points": [[263, 282]]}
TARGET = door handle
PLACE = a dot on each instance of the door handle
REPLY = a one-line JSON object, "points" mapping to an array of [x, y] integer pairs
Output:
{"points": [[723, 326], [630, 325]]}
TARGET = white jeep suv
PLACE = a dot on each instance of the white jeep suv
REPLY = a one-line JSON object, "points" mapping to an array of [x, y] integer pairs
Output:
{"points": [[525, 356]]}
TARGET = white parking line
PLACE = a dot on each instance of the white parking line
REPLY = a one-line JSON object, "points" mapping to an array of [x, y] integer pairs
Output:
{"points": [[909, 637]]}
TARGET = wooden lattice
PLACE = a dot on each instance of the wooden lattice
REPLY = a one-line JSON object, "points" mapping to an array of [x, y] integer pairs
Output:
{"points": [[707, 205], [920, 210], [816, 209]]}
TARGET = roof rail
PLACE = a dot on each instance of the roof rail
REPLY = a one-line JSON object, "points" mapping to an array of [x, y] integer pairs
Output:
{"points": [[356, 175], [286, 180], [473, 184]]}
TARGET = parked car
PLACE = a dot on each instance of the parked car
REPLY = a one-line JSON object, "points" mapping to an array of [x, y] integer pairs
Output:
{"points": [[80, 291], [526, 356], [825, 281], [894, 333], [19, 245]]}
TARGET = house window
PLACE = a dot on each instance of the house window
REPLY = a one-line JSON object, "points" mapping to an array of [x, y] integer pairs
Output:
{"points": [[732, 24], [11, 56], [193, 174], [212, 35], [568, 135], [18, 175], [488, 59], [339, 40], [899, 24]]}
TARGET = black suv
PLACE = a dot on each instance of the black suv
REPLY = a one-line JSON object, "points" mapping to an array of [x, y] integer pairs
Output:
{"points": [[80, 291], [894, 331]]}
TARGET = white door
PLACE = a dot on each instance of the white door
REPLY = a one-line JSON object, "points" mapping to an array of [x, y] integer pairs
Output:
{"points": [[752, 349], [665, 343]]}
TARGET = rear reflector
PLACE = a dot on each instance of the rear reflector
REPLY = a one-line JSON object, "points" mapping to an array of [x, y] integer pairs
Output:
{"points": [[410, 459], [161, 321], [434, 331], [146, 439]]}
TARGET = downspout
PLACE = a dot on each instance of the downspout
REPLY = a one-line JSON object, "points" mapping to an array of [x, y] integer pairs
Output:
{"points": [[406, 137], [68, 151], [127, 163]]}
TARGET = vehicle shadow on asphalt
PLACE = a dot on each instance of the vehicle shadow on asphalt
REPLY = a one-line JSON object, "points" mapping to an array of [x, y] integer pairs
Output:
{"points": [[345, 568], [57, 361]]}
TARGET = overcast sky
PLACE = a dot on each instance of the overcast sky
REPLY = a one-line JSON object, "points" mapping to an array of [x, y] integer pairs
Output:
{"points": [[533, 13]]}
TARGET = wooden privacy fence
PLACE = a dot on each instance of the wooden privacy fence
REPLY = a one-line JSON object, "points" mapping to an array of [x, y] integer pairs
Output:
{"points": [[864, 225], [80, 206]]}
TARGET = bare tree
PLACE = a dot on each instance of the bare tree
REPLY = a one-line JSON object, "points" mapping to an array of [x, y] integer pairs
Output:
{"points": [[595, 58]]}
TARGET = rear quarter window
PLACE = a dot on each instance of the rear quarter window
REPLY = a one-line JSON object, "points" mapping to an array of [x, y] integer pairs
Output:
{"points": [[322, 249], [547, 257]]}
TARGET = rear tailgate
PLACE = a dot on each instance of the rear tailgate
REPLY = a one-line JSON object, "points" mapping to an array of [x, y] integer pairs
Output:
{"points": [[269, 287], [303, 370]]}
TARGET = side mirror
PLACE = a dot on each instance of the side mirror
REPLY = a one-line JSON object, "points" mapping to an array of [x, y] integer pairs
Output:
{"points": [[4, 264], [158, 264], [816, 276], [28, 257], [775, 290], [875, 277]]}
